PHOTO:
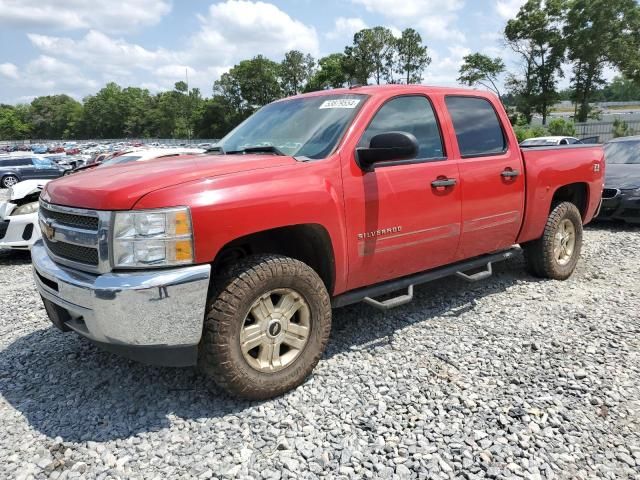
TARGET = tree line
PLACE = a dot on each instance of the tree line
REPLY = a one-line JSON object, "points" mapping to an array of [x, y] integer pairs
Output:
{"points": [[547, 36]]}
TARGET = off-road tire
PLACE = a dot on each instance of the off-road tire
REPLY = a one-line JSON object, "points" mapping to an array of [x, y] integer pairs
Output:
{"points": [[220, 356], [7, 178], [539, 254]]}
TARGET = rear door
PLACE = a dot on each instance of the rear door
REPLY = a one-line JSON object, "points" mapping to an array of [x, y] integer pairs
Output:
{"points": [[398, 223], [491, 176]]}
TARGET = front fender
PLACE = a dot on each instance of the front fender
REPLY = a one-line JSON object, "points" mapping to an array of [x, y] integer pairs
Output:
{"points": [[232, 206]]}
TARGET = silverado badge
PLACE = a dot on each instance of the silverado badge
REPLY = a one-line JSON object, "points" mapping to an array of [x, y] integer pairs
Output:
{"points": [[379, 233]]}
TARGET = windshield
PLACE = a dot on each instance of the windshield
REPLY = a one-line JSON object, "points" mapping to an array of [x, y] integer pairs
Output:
{"points": [[307, 128], [622, 152], [42, 162], [121, 159]]}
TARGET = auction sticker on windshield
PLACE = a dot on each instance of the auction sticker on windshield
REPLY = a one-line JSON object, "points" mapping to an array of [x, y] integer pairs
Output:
{"points": [[340, 103]]}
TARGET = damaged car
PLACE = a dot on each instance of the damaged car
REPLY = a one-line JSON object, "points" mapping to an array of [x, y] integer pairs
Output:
{"points": [[19, 228]]}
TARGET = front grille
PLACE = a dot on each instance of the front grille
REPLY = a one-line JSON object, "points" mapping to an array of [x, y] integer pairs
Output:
{"points": [[609, 192], [75, 253], [71, 220], [4, 225]]}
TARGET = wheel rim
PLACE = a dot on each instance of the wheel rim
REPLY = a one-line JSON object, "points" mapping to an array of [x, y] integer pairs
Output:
{"points": [[564, 242], [10, 181], [276, 330]]}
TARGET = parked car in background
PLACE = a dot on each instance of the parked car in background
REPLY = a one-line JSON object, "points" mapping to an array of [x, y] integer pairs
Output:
{"points": [[150, 154], [16, 168], [549, 141], [621, 195], [19, 228]]}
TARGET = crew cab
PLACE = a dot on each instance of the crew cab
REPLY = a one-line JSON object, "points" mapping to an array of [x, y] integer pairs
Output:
{"points": [[234, 260]]}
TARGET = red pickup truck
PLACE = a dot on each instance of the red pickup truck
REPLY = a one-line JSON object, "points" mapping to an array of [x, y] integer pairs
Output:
{"points": [[233, 260]]}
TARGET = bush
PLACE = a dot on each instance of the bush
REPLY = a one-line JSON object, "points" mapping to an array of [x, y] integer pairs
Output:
{"points": [[527, 131], [621, 129], [562, 127]]}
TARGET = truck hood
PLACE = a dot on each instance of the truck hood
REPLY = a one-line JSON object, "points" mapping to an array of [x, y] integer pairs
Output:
{"points": [[119, 187], [624, 176]]}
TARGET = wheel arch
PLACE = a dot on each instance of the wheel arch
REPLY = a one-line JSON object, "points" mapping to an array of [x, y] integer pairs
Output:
{"points": [[576, 193], [309, 243]]}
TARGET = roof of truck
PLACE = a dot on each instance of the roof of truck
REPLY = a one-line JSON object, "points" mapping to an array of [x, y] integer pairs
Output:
{"points": [[393, 89]]}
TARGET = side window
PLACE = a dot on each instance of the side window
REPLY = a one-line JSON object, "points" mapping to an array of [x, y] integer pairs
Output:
{"points": [[411, 114], [42, 162], [477, 126], [16, 162], [564, 141]]}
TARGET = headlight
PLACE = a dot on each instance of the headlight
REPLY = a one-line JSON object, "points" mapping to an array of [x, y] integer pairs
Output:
{"points": [[25, 209], [152, 238]]}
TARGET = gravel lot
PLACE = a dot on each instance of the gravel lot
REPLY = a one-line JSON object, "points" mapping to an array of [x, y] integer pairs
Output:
{"points": [[512, 377]]}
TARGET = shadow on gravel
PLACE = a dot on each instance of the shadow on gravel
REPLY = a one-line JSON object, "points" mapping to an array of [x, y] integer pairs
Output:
{"points": [[613, 226], [66, 387], [361, 327], [14, 257]]}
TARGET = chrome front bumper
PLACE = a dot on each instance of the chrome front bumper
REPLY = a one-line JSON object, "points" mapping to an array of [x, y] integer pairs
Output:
{"points": [[158, 311]]}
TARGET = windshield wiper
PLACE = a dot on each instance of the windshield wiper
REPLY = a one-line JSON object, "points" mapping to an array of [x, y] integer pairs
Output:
{"points": [[259, 149]]}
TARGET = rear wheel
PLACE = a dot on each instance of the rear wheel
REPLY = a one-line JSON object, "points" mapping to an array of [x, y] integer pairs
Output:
{"points": [[556, 253], [266, 327], [9, 181]]}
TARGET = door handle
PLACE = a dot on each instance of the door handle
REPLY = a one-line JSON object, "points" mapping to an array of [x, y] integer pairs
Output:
{"points": [[508, 173], [444, 182]]}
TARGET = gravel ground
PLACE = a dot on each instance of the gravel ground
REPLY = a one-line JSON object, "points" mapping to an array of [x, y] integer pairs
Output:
{"points": [[509, 378]]}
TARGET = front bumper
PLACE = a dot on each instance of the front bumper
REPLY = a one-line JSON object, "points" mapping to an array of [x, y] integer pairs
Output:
{"points": [[623, 206], [17, 231], [152, 316]]}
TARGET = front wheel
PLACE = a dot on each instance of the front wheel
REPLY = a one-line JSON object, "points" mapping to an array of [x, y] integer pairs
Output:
{"points": [[266, 327], [556, 253], [9, 181]]}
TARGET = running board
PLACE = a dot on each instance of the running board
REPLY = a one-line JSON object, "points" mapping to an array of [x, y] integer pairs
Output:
{"points": [[368, 294]]}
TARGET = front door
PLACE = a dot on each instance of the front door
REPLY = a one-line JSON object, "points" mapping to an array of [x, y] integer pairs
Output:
{"points": [[398, 223], [492, 177]]}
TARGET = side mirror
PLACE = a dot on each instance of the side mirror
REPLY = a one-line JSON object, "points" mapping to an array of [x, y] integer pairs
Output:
{"points": [[387, 147]]}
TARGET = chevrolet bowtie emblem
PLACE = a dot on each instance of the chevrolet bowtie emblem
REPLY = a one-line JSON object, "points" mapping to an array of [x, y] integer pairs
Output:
{"points": [[48, 231]]}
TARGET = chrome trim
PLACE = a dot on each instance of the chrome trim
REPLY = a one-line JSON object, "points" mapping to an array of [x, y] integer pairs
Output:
{"points": [[617, 190], [78, 236], [153, 308]]}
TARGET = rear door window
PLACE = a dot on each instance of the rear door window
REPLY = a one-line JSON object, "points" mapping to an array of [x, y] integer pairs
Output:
{"points": [[477, 126], [15, 162]]}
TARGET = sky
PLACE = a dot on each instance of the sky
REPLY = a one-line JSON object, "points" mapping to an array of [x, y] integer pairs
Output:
{"points": [[77, 46]]}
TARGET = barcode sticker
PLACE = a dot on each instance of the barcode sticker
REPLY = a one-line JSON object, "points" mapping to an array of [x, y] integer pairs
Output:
{"points": [[340, 103]]}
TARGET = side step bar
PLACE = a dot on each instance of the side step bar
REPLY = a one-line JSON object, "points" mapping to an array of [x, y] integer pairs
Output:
{"points": [[368, 294]]}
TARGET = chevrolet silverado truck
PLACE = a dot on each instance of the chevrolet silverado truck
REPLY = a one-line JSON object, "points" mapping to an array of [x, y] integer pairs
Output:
{"points": [[233, 260]]}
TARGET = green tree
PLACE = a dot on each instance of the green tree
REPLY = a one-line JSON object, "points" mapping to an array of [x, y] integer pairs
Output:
{"points": [[215, 118], [412, 56], [536, 35], [54, 117], [12, 123], [479, 69], [295, 71], [621, 128], [600, 33], [105, 113], [523, 90], [250, 85], [330, 74], [371, 55]]}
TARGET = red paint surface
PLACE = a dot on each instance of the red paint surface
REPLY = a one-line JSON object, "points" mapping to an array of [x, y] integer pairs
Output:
{"points": [[234, 196]]}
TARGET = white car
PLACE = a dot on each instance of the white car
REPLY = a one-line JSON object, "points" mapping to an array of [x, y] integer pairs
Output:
{"points": [[145, 154], [19, 228], [549, 141]]}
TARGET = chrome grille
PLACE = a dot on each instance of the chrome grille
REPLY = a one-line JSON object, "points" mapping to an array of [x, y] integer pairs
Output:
{"points": [[79, 221], [76, 237], [73, 252]]}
